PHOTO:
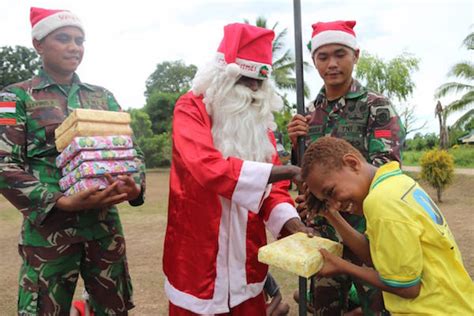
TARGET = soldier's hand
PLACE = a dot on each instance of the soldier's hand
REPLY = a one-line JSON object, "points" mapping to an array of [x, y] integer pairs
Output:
{"points": [[298, 126], [91, 198], [125, 185]]}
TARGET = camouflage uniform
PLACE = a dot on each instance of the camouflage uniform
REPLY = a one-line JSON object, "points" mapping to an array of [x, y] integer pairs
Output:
{"points": [[369, 122], [56, 246]]}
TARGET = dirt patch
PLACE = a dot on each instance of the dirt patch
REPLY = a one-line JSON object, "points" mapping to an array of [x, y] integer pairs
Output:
{"points": [[145, 227]]}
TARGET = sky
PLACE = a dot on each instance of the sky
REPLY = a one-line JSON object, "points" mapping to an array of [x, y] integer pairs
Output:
{"points": [[125, 40]]}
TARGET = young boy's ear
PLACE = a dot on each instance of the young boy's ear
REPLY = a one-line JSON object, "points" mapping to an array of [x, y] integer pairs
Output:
{"points": [[352, 161]]}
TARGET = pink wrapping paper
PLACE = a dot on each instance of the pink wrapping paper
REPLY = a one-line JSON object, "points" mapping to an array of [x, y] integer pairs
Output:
{"points": [[93, 143], [92, 169], [84, 184], [97, 155]]}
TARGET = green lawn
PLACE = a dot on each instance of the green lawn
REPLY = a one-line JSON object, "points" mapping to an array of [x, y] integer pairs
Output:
{"points": [[463, 156]]}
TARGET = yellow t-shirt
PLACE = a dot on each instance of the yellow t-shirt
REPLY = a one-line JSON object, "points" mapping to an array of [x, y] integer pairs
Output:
{"points": [[410, 242]]}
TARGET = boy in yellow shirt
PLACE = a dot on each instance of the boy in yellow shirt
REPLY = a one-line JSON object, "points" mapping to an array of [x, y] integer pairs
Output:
{"points": [[417, 263]]}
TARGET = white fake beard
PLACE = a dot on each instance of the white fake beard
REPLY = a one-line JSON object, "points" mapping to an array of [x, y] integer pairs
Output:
{"points": [[241, 123]]}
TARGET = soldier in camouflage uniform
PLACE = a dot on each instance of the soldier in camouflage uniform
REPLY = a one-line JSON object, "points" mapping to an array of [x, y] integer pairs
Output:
{"points": [[345, 109], [61, 236]]}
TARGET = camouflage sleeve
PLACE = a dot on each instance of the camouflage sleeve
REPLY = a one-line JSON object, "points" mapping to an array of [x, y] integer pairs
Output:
{"points": [[25, 191], [140, 177], [385, 131]]}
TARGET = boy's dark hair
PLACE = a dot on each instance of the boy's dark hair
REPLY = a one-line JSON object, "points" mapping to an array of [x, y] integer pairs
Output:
{"points": [[328, 152]]}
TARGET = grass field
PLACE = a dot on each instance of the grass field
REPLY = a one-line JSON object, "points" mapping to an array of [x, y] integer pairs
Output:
{"points": [[463, 156], [145, 227]]}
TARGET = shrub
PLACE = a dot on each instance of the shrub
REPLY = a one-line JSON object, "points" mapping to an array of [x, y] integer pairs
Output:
{"points": [[437, 168]]}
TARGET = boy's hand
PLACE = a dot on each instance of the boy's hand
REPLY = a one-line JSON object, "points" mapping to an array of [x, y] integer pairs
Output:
{"points": [[301, 207], [333, 265]]}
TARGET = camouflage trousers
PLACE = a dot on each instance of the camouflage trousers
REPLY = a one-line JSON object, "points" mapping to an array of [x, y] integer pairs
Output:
{"points": [[331, 295], [48, 277]]}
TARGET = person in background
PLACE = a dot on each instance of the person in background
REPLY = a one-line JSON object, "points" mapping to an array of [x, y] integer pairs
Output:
{"points": [[61, 236], [275, 304]]}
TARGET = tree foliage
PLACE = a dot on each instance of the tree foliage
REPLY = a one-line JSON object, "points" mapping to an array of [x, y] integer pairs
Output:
{"points": [[159, 106], [422, 142], [170, 77], [391, 78], [463, 71], [17, 64], [157, 148]]}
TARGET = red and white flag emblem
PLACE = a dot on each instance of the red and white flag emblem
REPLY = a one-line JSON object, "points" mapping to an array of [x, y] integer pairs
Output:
{"points": [[7, 107]]}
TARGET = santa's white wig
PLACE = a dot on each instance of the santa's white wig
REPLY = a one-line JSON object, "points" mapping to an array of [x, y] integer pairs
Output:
{"points": [[241, 118]]}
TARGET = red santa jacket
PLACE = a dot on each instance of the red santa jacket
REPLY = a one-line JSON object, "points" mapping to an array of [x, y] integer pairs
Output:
{"points": [[217, 214]]}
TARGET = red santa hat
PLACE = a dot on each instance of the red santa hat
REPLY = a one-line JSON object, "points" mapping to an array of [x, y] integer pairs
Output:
{"points": [[45, 21], [246, 50], [336, 32]]}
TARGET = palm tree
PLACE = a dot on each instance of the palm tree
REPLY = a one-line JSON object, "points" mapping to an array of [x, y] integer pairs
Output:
{"points": [[283, 62], [464, 71]]}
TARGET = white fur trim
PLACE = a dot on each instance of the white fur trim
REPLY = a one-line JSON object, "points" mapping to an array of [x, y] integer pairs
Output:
{"points": [[333, 37], [232, 70], [280, 214], [250, 189], [192, 303], [237, 232], [53, 22], [248, 68]]}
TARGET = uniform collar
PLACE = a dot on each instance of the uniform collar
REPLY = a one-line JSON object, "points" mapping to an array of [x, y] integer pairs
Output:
{"points": [[384, 172], [355, 91], [44, 81]]}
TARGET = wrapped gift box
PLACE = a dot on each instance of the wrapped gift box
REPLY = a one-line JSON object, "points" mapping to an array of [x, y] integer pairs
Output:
{"points": [[91, 169], [95, 155], [298, 253], [91, 129], [79, 144], [90, 115], [84, 184]]}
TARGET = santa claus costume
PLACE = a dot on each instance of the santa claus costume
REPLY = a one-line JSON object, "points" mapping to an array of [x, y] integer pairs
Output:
{"points": [[219, 201]]}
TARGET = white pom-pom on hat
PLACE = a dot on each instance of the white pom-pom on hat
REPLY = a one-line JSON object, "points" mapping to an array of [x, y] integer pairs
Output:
{"points": [[232, 70]]}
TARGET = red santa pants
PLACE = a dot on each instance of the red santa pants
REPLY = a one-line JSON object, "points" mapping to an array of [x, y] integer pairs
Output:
{"points": [[251, 307]]}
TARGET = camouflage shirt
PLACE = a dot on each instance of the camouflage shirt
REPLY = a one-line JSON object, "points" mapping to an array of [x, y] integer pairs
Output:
{"points": [[30, 111], [364, 118]]}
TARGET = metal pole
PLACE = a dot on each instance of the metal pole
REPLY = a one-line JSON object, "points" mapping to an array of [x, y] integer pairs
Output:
{"points": [[299, 73], [300, 109]]}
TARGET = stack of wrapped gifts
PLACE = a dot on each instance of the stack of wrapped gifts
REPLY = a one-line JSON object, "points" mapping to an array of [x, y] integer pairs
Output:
{"points": [[298, 253], [94, 143]]}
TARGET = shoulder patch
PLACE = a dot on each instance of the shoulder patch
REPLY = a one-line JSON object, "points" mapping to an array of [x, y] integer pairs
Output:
{"points": [[7, 106], [7, 96]]}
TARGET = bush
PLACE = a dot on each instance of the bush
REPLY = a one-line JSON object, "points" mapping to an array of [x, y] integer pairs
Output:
{"points": [[437, 168], [157, 150]]}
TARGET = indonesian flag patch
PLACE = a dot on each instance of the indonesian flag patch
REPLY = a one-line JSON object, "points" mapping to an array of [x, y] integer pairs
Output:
{"points": [[383, 133], [7, 121], [7, 107]]}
